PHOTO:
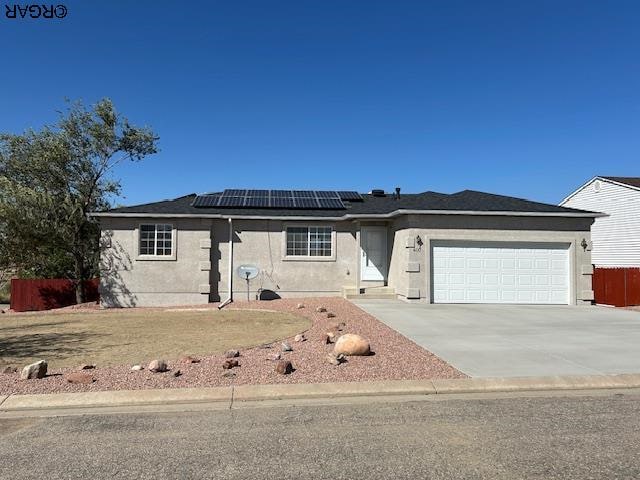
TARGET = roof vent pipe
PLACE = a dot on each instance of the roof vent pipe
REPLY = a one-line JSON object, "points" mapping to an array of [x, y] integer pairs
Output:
{"points": [[398, 193]]}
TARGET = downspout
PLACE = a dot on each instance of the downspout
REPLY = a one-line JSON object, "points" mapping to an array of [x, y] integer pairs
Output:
{"points": [[230, 280]]}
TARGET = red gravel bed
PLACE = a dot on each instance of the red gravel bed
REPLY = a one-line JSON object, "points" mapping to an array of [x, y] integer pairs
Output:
{"points": [[395, 358]]}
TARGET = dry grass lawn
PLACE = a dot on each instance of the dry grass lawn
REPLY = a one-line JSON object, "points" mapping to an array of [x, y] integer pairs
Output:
{"points": [[122, 337]]}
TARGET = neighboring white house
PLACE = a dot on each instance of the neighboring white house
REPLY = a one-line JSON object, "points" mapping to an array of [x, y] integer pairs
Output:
{"points": [[616, 237]]}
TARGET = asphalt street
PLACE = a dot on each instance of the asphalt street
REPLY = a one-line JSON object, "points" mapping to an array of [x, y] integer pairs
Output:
{"points": [[568, 437]]}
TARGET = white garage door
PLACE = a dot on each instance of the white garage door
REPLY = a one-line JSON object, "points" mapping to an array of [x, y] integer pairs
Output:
{"points": [[500, 272]]}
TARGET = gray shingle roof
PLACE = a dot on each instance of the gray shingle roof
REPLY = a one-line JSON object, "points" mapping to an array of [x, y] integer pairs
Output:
{"points": [[633, 181], [466, 200]]}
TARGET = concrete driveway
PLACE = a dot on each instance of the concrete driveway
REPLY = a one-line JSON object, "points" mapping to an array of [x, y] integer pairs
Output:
{"points": [[519, 340]]}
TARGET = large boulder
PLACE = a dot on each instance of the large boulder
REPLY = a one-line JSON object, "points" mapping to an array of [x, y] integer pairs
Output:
{"points": [[35, 370], [351, 344], [232, 353], [158, 366]]}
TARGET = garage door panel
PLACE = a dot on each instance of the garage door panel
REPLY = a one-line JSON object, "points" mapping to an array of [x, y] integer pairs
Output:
{"points": [[469, 272]]}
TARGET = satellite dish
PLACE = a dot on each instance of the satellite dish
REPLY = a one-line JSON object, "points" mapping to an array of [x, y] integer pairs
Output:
{"points": [[247, 272]]}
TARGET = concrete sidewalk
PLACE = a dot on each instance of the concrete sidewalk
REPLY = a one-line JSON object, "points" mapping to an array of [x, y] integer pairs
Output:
{"points": [[226, 397]]}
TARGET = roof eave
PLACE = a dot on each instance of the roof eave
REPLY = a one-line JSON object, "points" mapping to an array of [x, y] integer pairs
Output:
{"points": [[349, 216]]}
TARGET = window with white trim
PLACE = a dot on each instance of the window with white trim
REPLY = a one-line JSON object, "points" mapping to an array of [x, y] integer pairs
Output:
{"points": [[309, 242], [156, 239]]}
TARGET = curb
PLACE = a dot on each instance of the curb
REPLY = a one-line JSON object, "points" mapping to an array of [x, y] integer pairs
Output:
{"points": [[250, 393]]}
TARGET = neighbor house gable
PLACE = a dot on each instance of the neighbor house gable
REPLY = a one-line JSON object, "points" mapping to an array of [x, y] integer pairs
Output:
{"points": [[616, 234]]}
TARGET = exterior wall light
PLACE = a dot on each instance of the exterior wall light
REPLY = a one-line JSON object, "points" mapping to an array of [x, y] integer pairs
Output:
{"points": [[584, 244]]}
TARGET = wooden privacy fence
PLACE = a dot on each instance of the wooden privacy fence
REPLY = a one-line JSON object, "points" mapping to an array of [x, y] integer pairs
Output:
{"points": [[619, 287], [45, 294]]}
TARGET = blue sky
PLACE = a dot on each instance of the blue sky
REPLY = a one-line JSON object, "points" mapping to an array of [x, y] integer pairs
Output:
{"points": [[520, 98]]}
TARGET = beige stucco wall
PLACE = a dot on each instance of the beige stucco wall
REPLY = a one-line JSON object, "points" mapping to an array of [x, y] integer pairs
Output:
{"points": [[408, 255], [199, 272], [262, 243], [126, 280]]}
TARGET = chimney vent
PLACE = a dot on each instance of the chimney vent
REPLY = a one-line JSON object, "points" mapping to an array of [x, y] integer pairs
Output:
{"points": [[398, 193]]}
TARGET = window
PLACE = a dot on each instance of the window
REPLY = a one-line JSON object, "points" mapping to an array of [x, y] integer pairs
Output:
{"points": [[309, 242], [156, 239]]}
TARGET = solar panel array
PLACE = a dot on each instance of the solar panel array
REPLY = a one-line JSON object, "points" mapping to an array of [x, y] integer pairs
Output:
{"points": [[300, 199]]}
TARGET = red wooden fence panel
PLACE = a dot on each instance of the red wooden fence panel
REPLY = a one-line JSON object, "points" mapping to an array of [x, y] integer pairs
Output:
{"points": [[45, 294], [633, 286], [619, 287]]}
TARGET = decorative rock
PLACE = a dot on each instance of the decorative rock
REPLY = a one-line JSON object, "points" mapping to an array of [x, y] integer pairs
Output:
{"points": [[286, 347], [299, 338], [331, 336], [188, 359], [335, 359], [351, 344], [232, 353], [137, 368], [321, 309], [158, 366], [300, 305], [229, 374], [35, 370], [9, 370], [284, 367], [177, 373], [266, 345], [338, 327], [87, 366], [274, 357], [80, 378], [331, 315], [230, 363]]}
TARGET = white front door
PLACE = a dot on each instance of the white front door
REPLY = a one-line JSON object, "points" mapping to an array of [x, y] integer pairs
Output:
{"points": [[373, 253], [500, 272]]}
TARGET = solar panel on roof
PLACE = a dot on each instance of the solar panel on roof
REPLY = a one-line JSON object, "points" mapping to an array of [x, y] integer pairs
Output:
{"points": [[298, 199], [259, 202], [282, 202], [280, 193], [350, 195], [326, 194], [206, 201], [257, 193], [306, 203], [231, 202], [303, 194], [234, 193], [331, 203]]}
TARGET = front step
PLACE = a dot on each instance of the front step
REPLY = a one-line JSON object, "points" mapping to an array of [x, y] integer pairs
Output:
{"points": [[377, 293]]}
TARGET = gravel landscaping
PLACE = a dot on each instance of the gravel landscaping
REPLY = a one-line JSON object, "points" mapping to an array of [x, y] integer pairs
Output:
{"points": [[394, 357]]}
